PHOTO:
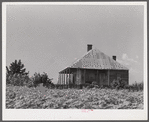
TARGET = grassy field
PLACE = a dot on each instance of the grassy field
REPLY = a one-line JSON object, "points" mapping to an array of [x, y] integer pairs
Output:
{"points": [[43, 98]]}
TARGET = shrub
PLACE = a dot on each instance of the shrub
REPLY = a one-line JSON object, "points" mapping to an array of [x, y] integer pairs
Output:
{"points": [[105, 86], [37, 79], [93, 85], [16, 74], [17, 79], [119, 83], [24, 80], [115, 83], [135, 87], [138, 86], [86, 85], [96, 86], [42, 78], [30, 84]]}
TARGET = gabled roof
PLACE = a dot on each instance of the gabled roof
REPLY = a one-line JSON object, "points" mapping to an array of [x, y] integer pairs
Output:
{"points": [[95, 59]]}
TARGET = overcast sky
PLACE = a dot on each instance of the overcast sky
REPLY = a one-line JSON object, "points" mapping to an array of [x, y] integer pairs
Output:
{"points": [[47, 38]]}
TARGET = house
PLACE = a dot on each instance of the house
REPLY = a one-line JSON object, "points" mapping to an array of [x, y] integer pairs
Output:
{"points": [[94, 66]]}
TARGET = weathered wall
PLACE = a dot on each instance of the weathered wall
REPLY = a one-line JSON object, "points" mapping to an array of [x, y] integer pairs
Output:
{"points": [[91, 75], [101, 77], [123, 74], [77, 77]]}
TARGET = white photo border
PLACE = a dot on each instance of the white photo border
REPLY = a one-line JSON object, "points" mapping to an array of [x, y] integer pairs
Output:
{"points": [[59, 114]]}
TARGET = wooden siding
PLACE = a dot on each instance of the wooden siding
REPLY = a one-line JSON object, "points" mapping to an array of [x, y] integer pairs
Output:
{"points": [[115, 74], [102, 77]]}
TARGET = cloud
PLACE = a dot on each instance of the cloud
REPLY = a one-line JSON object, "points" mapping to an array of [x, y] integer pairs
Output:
{"points": [[135, 69], [128, 62], [126, 58], [123, 62]]}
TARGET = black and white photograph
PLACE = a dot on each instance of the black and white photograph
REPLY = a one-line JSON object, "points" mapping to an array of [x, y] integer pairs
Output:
{"points": [[74, 60]]}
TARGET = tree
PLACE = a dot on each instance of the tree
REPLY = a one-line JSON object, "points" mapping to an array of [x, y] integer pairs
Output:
{"points": [[16, 67]]}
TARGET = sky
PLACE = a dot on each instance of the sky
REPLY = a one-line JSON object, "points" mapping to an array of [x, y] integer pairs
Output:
{"points": [[48, 38]]}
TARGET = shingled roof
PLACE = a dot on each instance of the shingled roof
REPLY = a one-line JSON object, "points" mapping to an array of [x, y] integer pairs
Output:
{"points": [[95, 59]]}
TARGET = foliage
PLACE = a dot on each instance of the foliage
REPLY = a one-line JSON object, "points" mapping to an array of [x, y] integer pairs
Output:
{"points": [[93, 85], [43, 98], [16, 68], [17, 79], [138, 86], [37, 79], [42, 78], [118, 84], [24, 80], [135, 87]]}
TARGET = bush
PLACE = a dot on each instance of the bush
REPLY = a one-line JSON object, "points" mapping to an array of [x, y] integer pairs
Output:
{"points": [[17, 79], [138, 86], [115, 83], [93, 85], [24, 80], [16, 74], [37, 79], [96, 86], [42, 78], [105, 86], [86, 85], [119, 83], [135, 87]]}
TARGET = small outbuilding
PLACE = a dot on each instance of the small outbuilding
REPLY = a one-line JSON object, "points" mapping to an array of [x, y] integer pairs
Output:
{"points": [[94, 66]]}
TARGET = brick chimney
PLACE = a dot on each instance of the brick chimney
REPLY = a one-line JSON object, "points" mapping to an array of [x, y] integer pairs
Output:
{"points": [[114, 58], [89, 47]]}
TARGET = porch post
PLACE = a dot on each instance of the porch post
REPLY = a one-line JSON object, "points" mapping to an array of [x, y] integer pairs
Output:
{"points": [[64, 77], [84, 75], [108, 77], [60, 79], [69, 77]]}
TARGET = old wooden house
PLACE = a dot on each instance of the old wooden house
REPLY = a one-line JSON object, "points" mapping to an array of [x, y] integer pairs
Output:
{"points": [[94, 66]]}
